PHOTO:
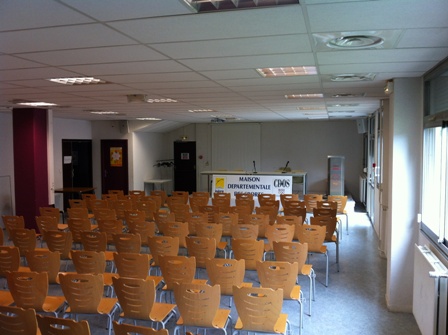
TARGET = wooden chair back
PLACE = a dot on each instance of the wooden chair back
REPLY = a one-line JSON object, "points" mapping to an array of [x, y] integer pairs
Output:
{"points": [[180, 211], [121, 206], [49, 325], [83, 292], [96, 204], [77, 203], [311, 200], [227, 220], [270, 211], [110, 227], [265, 196], [177, 229], [249, 231], [210, 230], [289, 219], [60, 241], [249, 250], [197, 303], [135, 296], [143, 228], [116, 192], [324, 211], [9, 260], [183, 194], [196, 201], [45, 223], [78, 213], [246, 202], [29, 289], [126, 242], [154, 198], [24, 239], [76, 226], [12, 222], [177, 269], [94, 240], [276, 274], [163, 245], [244, 196], [137, 193], [17, 321], [88, 197], [50, 211], [295, 211], [194, 218], [313, 235], [221, 195], [201, 248], [134, 215], [149, 207], [287, 203], [258, 308], [43, 260], [225, 273], [162, 217], [223, 204], [132, 265], [327, 204], [270, 203], [210, 210], [277, 233], [288, 197], [243, 212], [261, 220], [89, 261], [341, 201], [170, 201], [161, 194], [126, 329], [329, 222], [292, 252]]}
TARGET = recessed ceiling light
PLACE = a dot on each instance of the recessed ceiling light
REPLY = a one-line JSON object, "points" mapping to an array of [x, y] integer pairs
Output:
{"points": [[37, 104], [148, 119], [287, 71], [160, 100], [201, 110], [304, 96], [77, 81], [342, 105], [311, 108], [222, 5], [353, 77], [348, 95], [355, 42], [103, 112]]}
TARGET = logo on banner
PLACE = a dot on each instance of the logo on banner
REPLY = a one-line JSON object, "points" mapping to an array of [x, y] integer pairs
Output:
{"points": [[220, 184]]}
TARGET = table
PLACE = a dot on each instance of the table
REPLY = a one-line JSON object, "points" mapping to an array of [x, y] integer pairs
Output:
{"points": [[153, 182], [71, 191], [293, 174]]}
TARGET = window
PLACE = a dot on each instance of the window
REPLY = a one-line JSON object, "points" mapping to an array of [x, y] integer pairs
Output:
{"points": [[435, 158]]}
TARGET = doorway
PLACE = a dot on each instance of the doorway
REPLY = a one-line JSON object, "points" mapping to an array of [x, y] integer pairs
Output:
{"points": [[185, 166], [114, 166], [76, 165]]}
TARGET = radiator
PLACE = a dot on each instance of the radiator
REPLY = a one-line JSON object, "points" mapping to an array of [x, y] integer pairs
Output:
{"points": [[430, 292]]}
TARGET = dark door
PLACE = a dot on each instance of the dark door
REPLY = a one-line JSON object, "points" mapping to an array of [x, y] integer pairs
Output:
{"points": [[76, 165], [185, 166], [114, 166]]}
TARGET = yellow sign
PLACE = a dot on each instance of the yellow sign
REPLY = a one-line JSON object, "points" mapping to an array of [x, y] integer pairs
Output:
{"points": [[116, 156], [220, 183]]}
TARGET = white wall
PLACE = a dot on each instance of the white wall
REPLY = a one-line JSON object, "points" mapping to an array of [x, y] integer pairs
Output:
{"points": [[7, 203]]}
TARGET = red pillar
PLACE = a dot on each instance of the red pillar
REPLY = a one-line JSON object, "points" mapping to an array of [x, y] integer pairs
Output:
{"points": [[30, 162]]}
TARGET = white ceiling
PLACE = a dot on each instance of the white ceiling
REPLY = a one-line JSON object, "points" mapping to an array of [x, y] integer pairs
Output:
{"points": [[163, 49]]}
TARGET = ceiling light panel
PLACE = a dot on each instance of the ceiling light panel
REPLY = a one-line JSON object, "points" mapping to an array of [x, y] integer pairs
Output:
{"points": [[353, 77], [77, 81], [222, 5], [304, 96], [287, 71]]}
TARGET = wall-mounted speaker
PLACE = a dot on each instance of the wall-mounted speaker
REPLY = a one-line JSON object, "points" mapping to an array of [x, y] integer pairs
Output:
{"points": [[362, 125], [124, 126]]}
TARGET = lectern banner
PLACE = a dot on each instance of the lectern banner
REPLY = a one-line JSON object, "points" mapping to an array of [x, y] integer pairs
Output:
{"points": [[253, 184]]}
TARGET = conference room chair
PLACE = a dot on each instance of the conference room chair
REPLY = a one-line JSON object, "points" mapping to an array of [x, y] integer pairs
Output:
{"points": [[49, 325], [249, 231], [104, 202], [44, 224], [183, 194], [135, 266], [126, 329], [177, 269], [270, 211], [314, 236], [176, 229], [155, 198], [223, 204], [172, 200], [121, 206], [180, 211], [24, 239], [10, 261], [76, 226], [97, 241], [60, 241], [221, 195], [213, 230], [288, 197], [143, 228], [45, 261], [139, 193], [226, 273], [137, 301], [162, 217], [52, 211], [88, 197], [198, 306], [194, 218], [201, 248], [116, 192], [30, 290], [162, 245], [246, 202], [261, 220], [249, 196], [105, 213], [210, 210], [110, 227], [296, 211], [296, 252], [127, 242], [311, 200], [341, 201], [265, 196], [243, 211], [17, 320], [149, 207], [84, 296], [134, 215], [331, 234], [79, 203], [162, 194], [12, 222], [282, 275], [277, 233], [196, 201], [271, 203], [226, 220], [248, 249], [260, 310]]}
